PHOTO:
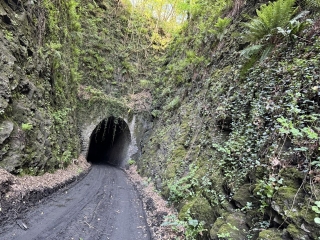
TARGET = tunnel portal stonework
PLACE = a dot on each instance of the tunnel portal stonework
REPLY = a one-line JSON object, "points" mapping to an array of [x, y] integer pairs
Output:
{"points": [[130, 150]]}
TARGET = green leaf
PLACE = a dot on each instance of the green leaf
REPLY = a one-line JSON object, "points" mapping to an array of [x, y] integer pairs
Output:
{"points": [[301, 149], [282, 130], [317, 220], [295, 132], [315, 209], [310, 133], [193, 222], [317, 203]]}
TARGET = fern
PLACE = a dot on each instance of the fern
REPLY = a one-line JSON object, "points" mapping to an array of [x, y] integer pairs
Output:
{"points": [[220, 28], [273, 22], [269, 18], [248, 52], [257, 51]]}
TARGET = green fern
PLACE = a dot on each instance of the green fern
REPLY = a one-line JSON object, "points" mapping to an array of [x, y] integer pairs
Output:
{"points": [[221, 27], [269, 18], [248, 52]]}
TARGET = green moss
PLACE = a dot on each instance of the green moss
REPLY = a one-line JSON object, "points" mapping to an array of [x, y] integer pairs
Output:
{"points": [[179, 153], [171, 170], [243, 195], [183, 213], [287, 193], [268, 234], [296, 233], [200, 209], [231, 226], [292, 177]]}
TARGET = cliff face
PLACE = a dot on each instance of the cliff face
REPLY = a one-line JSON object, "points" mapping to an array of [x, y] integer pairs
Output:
{"points": [[235, 141], [66, 65], [38, 129]]}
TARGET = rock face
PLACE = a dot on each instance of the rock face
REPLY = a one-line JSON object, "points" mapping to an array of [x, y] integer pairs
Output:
{"points": [[238, 137], [36, 129], [58, 82]]}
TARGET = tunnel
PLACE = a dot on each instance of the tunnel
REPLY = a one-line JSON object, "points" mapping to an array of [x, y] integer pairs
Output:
{"points": [[109, 142]]}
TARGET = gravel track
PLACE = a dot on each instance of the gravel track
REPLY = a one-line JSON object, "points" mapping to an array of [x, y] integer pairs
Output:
{"points": [[103, 205]]}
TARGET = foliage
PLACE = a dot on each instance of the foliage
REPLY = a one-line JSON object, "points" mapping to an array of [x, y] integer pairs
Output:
{"points": [[61, 116], [181, 188], [312, 4], [224, 235], [269, 18], [274, 22], [266, 189], [26, 126], [173, 104], [190, 227], [220, 27], [170, 14], [131, 162], [66, 158], [316, 209], [272, 111], [8, 35]]}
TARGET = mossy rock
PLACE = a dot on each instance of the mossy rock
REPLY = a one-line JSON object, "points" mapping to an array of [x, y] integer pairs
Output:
{"points": [[242, 196], [171, 170], [285, 197], [200, 209], [297, 233], [179, 153], [269, 234], [292, 177], [258, 173], [232, 226]]}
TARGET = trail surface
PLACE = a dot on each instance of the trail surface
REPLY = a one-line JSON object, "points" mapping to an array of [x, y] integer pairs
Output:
{"points": [[103, 205]]}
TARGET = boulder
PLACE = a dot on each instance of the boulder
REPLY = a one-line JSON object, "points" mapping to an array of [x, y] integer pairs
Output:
{"points": [[231, 226]]}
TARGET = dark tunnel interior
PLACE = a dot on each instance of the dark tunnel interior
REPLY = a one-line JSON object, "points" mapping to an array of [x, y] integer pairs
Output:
{"points": [[109, 142]]}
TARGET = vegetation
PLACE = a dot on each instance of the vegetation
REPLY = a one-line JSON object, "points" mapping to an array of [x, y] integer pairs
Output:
{"points": [[252, 119], [26, 126], [235, 105]]}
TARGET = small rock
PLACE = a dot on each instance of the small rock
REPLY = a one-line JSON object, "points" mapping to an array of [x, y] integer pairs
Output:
{"points": [[22, 225]]}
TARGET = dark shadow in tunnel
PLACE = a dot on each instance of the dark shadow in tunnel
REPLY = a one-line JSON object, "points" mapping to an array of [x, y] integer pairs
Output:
{"points": [[109, 142]]}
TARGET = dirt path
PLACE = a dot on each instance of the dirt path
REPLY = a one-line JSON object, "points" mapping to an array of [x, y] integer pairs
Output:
{"points": [[104, 205]]}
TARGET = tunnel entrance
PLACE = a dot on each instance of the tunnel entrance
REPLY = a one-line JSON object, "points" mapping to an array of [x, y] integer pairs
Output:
{"points": [[109, 142]]}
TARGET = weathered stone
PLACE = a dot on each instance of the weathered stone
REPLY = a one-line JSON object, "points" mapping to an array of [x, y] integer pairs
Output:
{"points": [[11, 162], [243, 196], [231, 226], [3, 104], [2, 11], [292, 177], [6, 129], [4, 87], [200, 209], [297, 233]]}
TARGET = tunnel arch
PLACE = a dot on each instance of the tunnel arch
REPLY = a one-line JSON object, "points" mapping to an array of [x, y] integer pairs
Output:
{"points": [[109, 142]]}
